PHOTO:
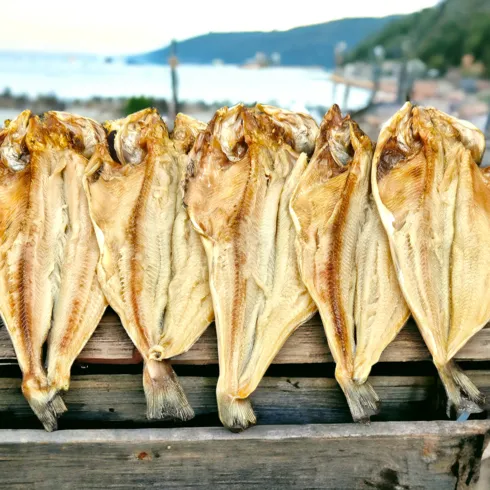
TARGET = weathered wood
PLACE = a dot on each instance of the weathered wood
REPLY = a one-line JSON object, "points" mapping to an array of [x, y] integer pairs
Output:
{"points": [[110, 344], [435, 455], [99, 400]]}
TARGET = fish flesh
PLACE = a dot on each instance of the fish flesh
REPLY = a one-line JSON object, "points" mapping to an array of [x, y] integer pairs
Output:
{"points": [[132, 186], [435, 206], [80, 303], [344, 257], [33, 219], [242, 171], [189, 308]]}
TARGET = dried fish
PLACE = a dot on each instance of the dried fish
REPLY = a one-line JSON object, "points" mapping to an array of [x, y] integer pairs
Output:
{"points": [[242, 171], [132, 189], [345, 259], [49, 253], [435, 206]]}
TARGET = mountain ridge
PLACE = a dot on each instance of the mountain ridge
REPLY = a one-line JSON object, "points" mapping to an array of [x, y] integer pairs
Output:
{"points": [[300, 46]]}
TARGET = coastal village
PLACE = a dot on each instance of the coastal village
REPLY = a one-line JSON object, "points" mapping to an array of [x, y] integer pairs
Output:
{"points": [[461, 92]]}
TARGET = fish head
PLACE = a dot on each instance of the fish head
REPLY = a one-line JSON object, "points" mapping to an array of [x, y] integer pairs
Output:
{"points": [[185, 132], [456, 131], [300, 130], [217, 172], [228, 133], [407, 162], [14, 154], [242, 148], [338, 169], [85, 133], [131, 138], [418, 152], [339, 142]]}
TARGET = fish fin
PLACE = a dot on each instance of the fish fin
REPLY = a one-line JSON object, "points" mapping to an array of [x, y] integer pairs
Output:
{"points": [[361, 398], [236, 414], [362, 369], [165, 397], [462, 394], [47, 406]]}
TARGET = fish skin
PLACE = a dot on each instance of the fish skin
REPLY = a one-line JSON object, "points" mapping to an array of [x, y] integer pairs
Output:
{"points": [[33, 222], [345, 259], [434, 205], [132, 192], [189, 308], [80, 303], [238, 172]]}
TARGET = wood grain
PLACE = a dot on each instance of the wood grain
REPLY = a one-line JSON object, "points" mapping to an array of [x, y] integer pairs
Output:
{"points": [[110, 344], [435, 455], [102, 400]]}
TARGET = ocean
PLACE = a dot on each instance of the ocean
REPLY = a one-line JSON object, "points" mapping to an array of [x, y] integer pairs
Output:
{"points": [[71, 78]]}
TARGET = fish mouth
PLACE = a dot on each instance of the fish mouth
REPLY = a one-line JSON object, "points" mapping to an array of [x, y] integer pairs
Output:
{"points": [[111, 139]]}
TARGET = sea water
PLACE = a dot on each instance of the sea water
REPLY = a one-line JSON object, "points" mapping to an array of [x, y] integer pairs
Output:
{"points": [[70, 78]]}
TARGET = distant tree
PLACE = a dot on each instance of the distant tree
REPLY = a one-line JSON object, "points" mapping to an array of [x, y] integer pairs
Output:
{"points": [[135, 104]]}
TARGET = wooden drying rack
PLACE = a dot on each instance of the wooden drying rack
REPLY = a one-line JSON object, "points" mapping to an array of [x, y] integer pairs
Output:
{"points": [[304, 437]]}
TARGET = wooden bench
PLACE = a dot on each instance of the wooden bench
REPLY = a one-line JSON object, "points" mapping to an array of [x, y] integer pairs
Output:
{"points": [[304, 437]]}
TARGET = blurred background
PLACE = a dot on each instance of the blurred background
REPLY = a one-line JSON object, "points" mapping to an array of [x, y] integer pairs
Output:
{"points": [[108, 59]]}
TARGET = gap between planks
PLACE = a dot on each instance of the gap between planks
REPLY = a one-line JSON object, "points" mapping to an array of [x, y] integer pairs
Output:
{"points": [[110, 344], [101, 400]]}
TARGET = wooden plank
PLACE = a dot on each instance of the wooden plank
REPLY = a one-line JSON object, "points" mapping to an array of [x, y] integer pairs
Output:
{"points": [[390, 455], [99, 400], [110, 344]]}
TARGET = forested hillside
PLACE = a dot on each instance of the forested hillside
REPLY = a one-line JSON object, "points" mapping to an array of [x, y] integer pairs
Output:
{"points": [[439, 36]]}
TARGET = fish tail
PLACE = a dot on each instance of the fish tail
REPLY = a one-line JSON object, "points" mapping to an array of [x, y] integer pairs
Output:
{"points": [[45, 403], [236, 414], [361, 398], [165, 397], [462, 394]]}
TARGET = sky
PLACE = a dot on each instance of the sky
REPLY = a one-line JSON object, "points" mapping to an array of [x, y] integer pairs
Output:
{"points": [[134, 26]]}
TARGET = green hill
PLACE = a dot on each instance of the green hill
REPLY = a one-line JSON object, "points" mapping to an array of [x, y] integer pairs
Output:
{"points": [[439, 36], [309, 45]]}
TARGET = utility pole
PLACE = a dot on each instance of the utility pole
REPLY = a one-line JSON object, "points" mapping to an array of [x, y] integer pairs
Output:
{"points": [[173, 62], [339, 52], [379, 56], [404, 83]]}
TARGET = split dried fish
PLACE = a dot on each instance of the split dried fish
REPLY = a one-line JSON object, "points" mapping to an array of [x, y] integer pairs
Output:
{"points": [[44, 226], [25, 301], [242, 172], [435, 206], [189, 308], [345, 259], [132, 186]]}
